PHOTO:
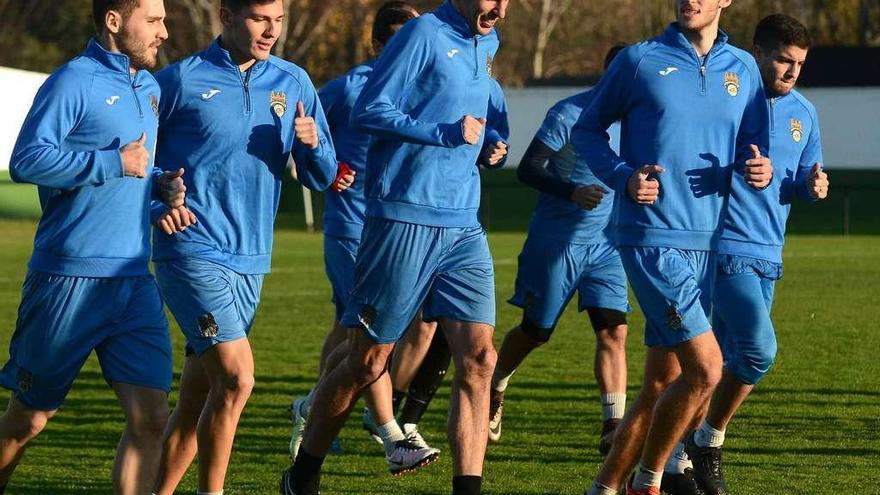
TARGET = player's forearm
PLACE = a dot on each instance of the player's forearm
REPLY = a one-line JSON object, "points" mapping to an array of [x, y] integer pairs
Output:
{"points": [[388, 122], [49, 167], [532, 171], [315, 168]]}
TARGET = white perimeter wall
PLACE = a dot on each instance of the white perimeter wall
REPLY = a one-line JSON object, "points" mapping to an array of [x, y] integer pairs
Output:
{"points": [[850, 118]]}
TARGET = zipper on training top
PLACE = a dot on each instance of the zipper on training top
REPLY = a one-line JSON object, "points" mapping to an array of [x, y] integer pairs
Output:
{"points": [[247, 89], [772, 118], [134, 87], [476, 58]]}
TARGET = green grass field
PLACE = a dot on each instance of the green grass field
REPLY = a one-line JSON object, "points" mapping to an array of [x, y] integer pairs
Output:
{"points": [[813, 426]]}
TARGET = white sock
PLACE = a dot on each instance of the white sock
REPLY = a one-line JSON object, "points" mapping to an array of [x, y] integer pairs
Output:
{"points": [[678, 461], [500, 379], [613, 405], [600, 489], [390, 433], [645, 478], [706, 436], [209, 493]]}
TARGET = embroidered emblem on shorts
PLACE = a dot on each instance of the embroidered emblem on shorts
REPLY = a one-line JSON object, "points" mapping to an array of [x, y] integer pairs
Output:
{"points": [[797, 130], [278, 102], [25, 380], [367, 316], [673, 317], [208, 326], [154, 104], [731, 82]]}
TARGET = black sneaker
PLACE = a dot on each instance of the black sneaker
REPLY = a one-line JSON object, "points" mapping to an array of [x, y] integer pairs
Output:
{"points": [[286, 485], [606, 438], [680, 484], [708, 472]]}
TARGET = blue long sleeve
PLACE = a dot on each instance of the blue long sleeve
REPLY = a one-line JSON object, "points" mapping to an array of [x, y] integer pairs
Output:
{"points": [[41, 156], [380, 109], [315, 168]]}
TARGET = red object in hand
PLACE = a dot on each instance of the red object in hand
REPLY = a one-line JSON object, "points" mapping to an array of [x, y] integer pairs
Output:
{"points": [[341, 170]]}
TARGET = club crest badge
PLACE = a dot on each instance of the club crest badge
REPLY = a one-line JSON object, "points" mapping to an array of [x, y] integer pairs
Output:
{"points": [[489, 69], [797, 130], [278, 102], [674, 318], [154, 104], [731, 83]]}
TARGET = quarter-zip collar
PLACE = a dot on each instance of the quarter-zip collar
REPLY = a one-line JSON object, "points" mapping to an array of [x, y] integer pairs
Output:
{"points": [[116, 62], [674, 37], [221, 56]]}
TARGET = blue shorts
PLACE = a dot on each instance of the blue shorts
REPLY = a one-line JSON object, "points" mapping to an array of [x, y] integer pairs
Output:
{"points": [[741, 315], [401, 266], [550, 271], [62, 319], [211, 303], [674, 290], [339, 256]]}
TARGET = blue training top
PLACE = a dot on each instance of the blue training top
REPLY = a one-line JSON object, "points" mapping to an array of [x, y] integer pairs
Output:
{"points": [[96, 221], [555, 217], [755, 222], [693, 116], [233, 133], [433, 72]]}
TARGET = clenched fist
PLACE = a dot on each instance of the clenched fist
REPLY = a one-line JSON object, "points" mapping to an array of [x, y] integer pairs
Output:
{"points": [[135, 157], [642, 188]]}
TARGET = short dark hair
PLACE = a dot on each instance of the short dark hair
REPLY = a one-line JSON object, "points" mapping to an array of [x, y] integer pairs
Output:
{"points": [[101, 7], [777, 30], [237, 5], [612, 52], [390, 14]]}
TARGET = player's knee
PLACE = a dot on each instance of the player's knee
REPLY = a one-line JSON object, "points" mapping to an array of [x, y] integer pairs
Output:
{"points": [[23, 428], [480, 364], [703, 377], [149, 424], [368, 369], [238, 386], [536, 333], [612, 339], [752, 366]]}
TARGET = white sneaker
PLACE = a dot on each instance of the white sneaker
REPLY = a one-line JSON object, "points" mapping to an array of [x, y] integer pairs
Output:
{"points": [[406, 457], [496, 410], [369, 424], [411, 432], [298, 415]]}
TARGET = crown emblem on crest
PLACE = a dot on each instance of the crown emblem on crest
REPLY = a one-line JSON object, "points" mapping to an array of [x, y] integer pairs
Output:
{"points": [[797, 130], [278, 102], [731, 83]]}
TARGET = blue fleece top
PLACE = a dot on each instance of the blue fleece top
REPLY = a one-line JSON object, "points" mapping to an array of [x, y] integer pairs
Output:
{"points": [[345, 212], [555, 217], [433, 72], [693, 116], [96, 221], [233, 133], [754, 225]]}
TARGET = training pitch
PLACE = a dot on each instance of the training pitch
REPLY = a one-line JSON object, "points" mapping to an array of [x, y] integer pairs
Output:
{"points": [[812, 426]]}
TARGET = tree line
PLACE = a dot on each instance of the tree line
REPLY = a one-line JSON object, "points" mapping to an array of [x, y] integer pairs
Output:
{"points": [[541, 39]]}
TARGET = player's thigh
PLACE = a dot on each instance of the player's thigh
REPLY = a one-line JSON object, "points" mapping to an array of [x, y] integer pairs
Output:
{"points": [[60, 320], [464, 286], [202, 296], [603, 281], [137, 349], [395, 265], [547, 274], [339, 258], [673, 288]]}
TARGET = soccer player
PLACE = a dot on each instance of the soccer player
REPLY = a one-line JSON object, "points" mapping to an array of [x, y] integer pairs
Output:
{"points": [[87, 144], [689, 105], [426, 104], [343, 222], [567, 250], [750, 249], [232, 116]]}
